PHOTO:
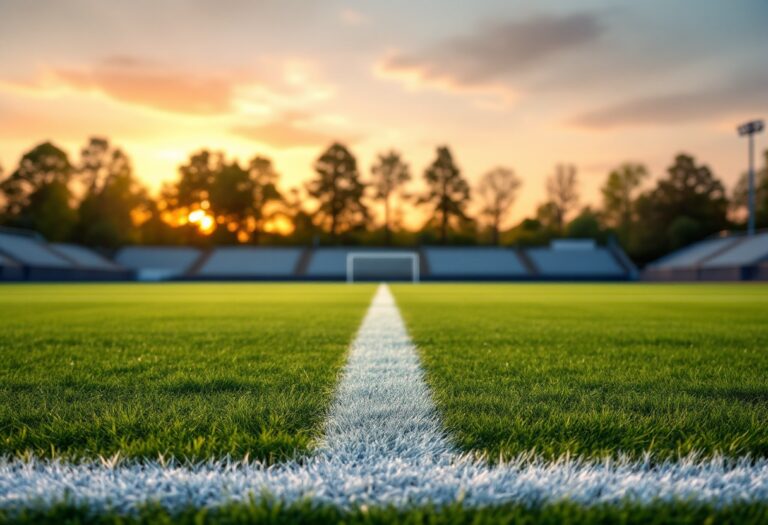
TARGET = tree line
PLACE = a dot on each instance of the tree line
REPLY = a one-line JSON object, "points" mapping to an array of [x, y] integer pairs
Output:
{"points": [[97, 200]]}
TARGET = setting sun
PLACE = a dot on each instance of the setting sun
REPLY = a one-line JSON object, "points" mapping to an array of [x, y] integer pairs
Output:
{"points": [[204, 222]]}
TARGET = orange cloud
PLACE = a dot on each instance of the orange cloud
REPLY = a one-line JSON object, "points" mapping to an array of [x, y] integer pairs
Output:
{"points": [[148, 84], [277, 85], [290, 131]]}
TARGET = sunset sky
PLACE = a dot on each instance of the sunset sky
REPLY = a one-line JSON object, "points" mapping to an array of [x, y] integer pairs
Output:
{"points": [[522, 84]]}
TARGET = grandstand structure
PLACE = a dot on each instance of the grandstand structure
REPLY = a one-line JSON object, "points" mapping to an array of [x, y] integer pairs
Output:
{"points": [[726, 257], [27, 257]]}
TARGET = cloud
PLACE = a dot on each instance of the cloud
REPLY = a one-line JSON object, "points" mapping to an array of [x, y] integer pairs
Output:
{"points": [[145, 83], [732, 99], [484, 61], [272, 84], [290, 131]]}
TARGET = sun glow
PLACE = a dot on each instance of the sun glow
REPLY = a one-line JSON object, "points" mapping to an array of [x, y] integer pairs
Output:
{"points": [[205, 223], [280, 224]]}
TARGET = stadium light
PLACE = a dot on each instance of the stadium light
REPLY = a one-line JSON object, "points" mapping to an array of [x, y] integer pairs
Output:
{"points": [[749, 129]]}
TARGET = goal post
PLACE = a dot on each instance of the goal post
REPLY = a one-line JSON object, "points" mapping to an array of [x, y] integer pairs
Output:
{"points": [[382, 266]]}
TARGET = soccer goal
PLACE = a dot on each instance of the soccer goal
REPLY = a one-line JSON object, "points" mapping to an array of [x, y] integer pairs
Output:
{"points": [[382, 266]]}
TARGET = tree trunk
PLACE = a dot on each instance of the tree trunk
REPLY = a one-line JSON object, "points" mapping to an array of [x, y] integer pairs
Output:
{"points": [[387, 232], [444, 209], [443, 227]]}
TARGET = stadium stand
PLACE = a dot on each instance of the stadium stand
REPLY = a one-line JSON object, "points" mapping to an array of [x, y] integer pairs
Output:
{"points": [[10, 270], [576, 260], [747, 251], [727, 257], [684, 264], [83, 257], [472, 263], [28, 257], [30, 250], [328, 263], [241, 262], [157, 263]]}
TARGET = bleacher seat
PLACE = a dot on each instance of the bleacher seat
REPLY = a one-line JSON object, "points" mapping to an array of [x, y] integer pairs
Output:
{"points": [[694, 254], [31, 251], [329, 263], [575, 262], [10, 270], [83, 257], [153, 263], [745, 251], [473, 263], [251, 262]]}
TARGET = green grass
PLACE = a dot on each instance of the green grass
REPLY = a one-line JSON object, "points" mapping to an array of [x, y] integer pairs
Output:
{"points": [[189, 370], [679, 513], [596, 369]]}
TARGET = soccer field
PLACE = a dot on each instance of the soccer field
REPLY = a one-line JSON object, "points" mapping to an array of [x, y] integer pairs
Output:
{"points": [[595, 370], [666, 381], [191, 371]]}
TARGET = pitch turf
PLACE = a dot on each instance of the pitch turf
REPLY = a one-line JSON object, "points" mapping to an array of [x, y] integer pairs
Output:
{"points": [[596, 370], [681, 513], [189, 370]]}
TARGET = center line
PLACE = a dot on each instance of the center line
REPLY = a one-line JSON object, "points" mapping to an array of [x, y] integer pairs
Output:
{"points": [[383, 409]]}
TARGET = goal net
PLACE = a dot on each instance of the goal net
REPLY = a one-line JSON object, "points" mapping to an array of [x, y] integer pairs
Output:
{"points": [[382, 266]]}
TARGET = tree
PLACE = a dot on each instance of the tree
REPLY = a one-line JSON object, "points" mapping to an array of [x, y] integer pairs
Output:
{"points": [[339, 191], [447, 191], [498, 190], [263, 179], [99, 161], [37, 194], [619, 193], [689, 191], [586, 225], [548, 217], [390, 173], [230, 195], [196, 178], [108, 214], [563, 192]]}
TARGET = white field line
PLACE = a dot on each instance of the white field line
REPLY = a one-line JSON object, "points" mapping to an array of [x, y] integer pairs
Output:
{"points": [[383, 445]]}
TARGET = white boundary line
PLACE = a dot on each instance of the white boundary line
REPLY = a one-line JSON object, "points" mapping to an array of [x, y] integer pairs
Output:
{"points": [[383, 445]]}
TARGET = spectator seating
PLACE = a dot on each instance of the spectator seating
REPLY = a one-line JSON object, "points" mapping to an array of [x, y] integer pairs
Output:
{"points": [[154, 263], [241, 262]]}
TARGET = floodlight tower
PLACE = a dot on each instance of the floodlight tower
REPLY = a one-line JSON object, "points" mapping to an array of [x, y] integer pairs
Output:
{"points": [[750, 129]]}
